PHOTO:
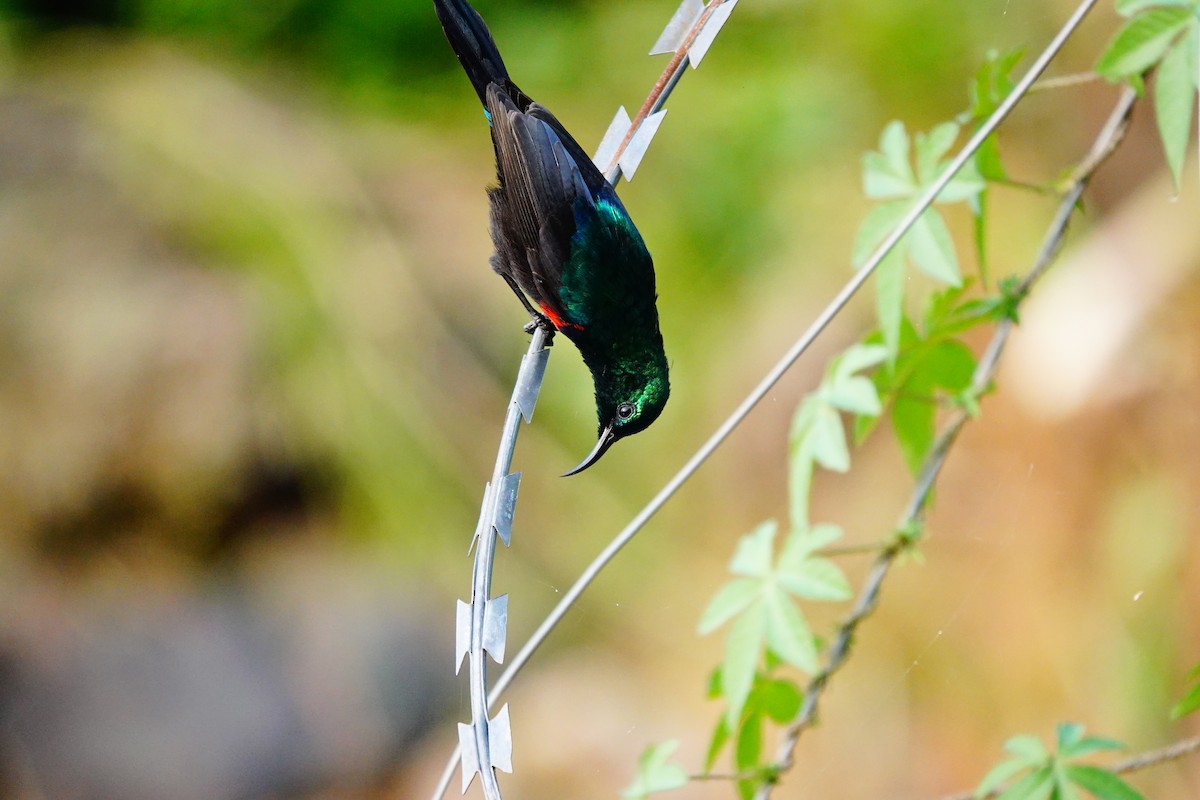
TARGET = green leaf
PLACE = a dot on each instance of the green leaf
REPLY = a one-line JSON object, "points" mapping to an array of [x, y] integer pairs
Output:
{"points": [[993, 81], [742, 647], [966, 184], [979, 206], [1063, 788], [749, 743], [988, 163], [931, 147], [856, 358], [801, 543], [887, 173], [1036, 786], [1128, 8], [828, 440], [998, 774], [753, 554], [817, 579], [1142, 42], [788, 635], [655, 774], [1068, 733], [947, 365], [781, 700], [734, 598], [1174, 90], [913, 420], [713, 690], [1087, 746], [889, 300], [1029, 748], [1072, 743], [855, 395], [881, 220], [1102, 783], [800, 474], [720, 738], [932, 248], [1190, 701]]}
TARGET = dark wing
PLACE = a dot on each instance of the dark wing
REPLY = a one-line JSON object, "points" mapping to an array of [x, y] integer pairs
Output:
{"points": [[534, 208]]}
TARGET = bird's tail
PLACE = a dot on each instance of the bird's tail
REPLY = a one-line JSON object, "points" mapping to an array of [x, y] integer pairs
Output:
{"points": [[473, 44]]}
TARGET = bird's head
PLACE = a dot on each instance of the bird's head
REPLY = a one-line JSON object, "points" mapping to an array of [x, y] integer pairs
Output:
{"points": [[628, 400]]}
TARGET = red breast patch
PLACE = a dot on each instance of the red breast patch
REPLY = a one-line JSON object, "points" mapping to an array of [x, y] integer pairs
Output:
{"points": [[558, 321]]}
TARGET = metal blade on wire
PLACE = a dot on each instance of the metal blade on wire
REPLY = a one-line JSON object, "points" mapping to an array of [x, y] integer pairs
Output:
{"points": [[689, 35], [481, 624], [499, 739], [679, 27], [709, 32], [630, 157]]}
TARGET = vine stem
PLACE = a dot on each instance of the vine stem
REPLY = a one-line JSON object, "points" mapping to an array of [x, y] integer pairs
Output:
{"points": [[1151, 758], [868, 598]]}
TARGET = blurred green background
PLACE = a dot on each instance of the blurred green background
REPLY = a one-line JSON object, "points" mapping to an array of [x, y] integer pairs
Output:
{"points": [[253, 365]]}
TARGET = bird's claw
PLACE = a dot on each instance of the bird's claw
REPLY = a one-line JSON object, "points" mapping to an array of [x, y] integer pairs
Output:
{"points": [[543, 322]]}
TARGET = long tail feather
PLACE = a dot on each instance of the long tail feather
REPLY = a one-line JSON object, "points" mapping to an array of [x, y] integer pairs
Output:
{"points": [[473, 44]]}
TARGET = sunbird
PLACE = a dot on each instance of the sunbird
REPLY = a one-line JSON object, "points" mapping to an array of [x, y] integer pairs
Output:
{"points": [[564, 242]]}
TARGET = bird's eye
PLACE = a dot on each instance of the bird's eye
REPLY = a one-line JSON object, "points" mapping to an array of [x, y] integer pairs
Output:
{"points": [[624, 411]]}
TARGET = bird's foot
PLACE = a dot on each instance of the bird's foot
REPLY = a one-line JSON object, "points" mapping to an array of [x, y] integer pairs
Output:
{"points": [[543, 322]]}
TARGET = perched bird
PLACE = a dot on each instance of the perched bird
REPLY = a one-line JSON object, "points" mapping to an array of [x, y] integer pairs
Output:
{"points": [[565, 243]]}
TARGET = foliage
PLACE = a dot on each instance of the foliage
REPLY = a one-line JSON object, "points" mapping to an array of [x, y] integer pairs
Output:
{"points": [[1162, 35], [655, 774], [915, 368], [889, 176], [1191, 700], [1054, 775]]}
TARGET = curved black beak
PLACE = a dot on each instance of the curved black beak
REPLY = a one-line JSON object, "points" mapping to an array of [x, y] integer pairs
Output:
{"points": [[607, 437]]}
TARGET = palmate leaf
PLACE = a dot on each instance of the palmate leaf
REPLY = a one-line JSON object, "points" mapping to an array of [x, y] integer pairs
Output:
{"points": [[1051, 775], [655, 774], [762, 606], [818, 433], [888, 175]]}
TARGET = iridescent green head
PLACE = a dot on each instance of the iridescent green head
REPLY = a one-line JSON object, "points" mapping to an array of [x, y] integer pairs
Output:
{"points": [[629, 397]]}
